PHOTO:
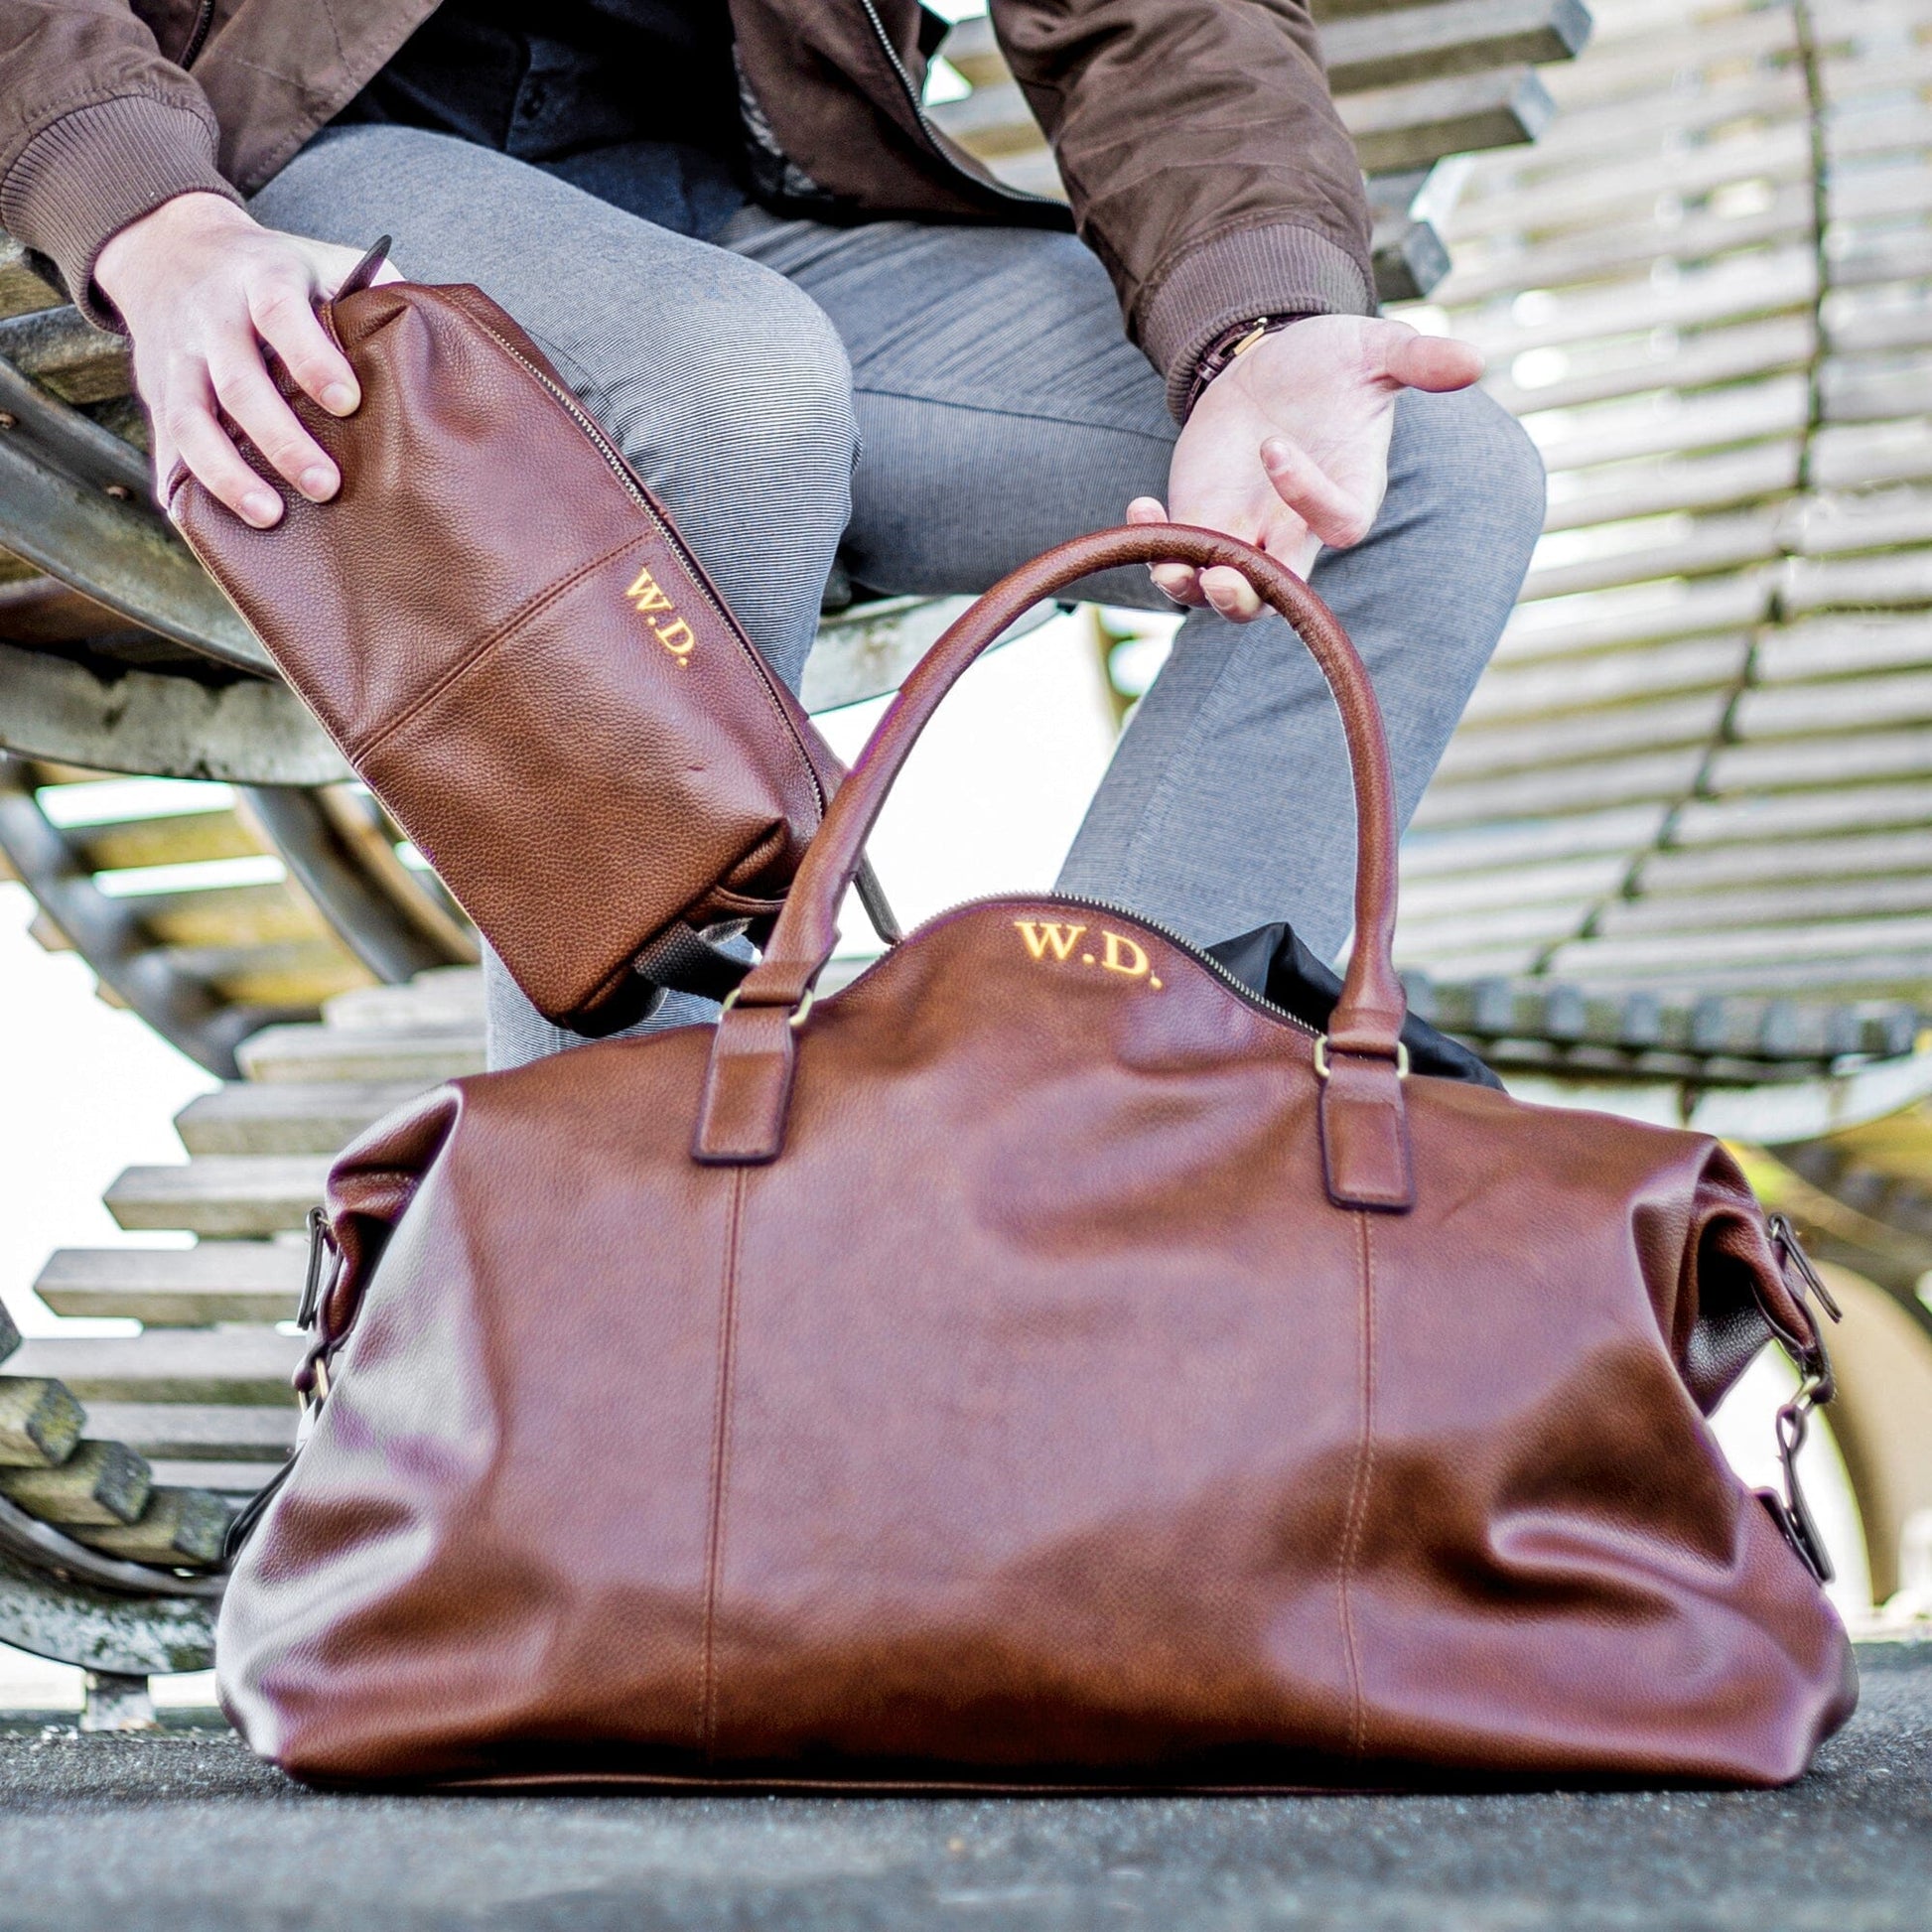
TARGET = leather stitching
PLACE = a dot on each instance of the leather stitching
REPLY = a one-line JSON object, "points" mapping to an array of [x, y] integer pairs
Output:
{"points": [[1358, 1495], [510, 624], [719, 1468]]}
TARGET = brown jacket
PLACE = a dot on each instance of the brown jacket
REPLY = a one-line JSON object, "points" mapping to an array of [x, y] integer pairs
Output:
{"points": [[1206, 166]]}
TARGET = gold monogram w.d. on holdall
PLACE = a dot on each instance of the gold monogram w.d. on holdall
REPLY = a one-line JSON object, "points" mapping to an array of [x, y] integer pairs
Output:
{"points": [[1041, 1362]]}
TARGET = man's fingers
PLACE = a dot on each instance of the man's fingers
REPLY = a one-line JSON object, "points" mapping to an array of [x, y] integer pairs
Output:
{"points": [[1230, 594], [1177, 581], [281, 310], [191, 430], [1332, 514], [257, 405], [1435, 363]]}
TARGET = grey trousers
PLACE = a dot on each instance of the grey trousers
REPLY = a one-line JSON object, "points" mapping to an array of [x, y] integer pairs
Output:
{"points": [[946, 402]]}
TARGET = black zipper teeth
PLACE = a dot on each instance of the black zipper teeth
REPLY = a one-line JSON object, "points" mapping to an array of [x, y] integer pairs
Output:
{"points": [[619, 467], [1234, 984], [198, 34], [932, 132]]}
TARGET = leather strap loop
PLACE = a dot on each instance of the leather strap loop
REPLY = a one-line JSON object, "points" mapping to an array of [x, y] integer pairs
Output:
{"points": [[1368, 1017]]}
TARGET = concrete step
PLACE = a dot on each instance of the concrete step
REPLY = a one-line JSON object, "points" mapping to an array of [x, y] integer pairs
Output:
{"points": [[248, 1367], [222, 1194], [424, 1056], [288, 1117], [178, 1288]]}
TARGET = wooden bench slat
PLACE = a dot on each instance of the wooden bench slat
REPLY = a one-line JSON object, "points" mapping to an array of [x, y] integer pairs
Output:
{"points": [[246, 1366], [101, 1482], [316, 1053], [222, 1194], [222, 1432], [285, 1117], [181, 1527], [39, 1423], [176, 1288]]}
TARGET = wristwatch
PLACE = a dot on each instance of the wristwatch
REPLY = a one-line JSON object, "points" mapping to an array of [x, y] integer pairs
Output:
{"points": [[1229, 347]]}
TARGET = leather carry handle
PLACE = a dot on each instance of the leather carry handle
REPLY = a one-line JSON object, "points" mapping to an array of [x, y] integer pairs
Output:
{"points": [[749, 1085]]}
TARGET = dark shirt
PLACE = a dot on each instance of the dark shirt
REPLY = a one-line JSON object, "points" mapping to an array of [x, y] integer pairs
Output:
{"points": [[632, 100]]}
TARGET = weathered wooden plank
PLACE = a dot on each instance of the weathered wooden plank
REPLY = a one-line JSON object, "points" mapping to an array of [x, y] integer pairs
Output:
{"points": [[1609, 251], [1787, 903], [1453, 37], [308, 1054], [181, 1527], [65, 352], [1788, 763], [176, 1288], [1836, 646], [1660, 486], [221, 1195], [1489, 850], [1423, 120], [1558, 743], [249, 1366], [1771, 817], [1859, 583], [1631, 367], [219, 1431], [1568, 881], [286, 1118], [234, 1482], [99, 1483], [226, 915], [1758, 285], [444, 996], [1620, 432], [1645, 553], [39, 1423], [1713, 868], [183, 838], [1515, 691], [1571, 199], [1649, 777], [1834, 705], [22, 288]]}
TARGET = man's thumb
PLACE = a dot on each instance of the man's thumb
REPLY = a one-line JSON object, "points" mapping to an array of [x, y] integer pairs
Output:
{"points": [[1418, 361]]}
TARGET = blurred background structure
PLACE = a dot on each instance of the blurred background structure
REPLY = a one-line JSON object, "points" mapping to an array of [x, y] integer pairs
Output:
{"points": [[1676, 862]]}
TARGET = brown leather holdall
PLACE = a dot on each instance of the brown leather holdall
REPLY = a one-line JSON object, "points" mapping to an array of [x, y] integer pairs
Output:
{"points": [[505, 636], [1041, 1362]]}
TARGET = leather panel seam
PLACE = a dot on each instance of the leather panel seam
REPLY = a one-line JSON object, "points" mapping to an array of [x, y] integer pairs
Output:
{"points": [[532, 608], [1357, 1517], [720, 1468]]}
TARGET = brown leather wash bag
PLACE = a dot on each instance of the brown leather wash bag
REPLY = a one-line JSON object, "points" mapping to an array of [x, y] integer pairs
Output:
{"points": [[504, 634], [1041, 1362]]}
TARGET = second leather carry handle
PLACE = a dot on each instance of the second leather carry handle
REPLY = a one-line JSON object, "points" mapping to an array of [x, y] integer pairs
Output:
{"points": [[1369, 1015]]}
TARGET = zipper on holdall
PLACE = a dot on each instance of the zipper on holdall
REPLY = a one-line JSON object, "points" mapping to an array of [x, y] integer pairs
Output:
{"points": [[614, 460], [929, 129], [1231, 981]]}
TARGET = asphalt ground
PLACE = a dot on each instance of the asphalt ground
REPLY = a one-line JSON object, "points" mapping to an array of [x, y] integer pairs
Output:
{"points": [[184, 1830]]}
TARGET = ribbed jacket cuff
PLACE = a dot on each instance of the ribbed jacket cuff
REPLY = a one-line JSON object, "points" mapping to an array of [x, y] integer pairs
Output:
{"points": [[1272, 271], [86, 176]]}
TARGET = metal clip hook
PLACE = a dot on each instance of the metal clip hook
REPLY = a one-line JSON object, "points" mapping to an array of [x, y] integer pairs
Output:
{"points": [[322, 1242]]}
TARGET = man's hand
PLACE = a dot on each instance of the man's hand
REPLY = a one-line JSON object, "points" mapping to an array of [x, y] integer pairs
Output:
{"points": [[202, 287], [1289, 446]]}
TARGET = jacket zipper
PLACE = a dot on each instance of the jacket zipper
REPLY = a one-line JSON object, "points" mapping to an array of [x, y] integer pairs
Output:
{"points": [[1234, 984], [619, 467], [198, 34], [932, 132]]}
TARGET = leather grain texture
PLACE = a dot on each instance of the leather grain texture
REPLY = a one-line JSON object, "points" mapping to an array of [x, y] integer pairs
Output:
{"points": [[508, 640], [1028, 1412]]}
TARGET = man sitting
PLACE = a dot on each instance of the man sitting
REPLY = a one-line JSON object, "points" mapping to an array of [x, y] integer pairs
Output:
{"points": [[819, 329]]}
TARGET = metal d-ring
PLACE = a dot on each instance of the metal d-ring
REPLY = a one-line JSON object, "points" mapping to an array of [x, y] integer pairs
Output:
{"points": [[1322, 1068]]}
